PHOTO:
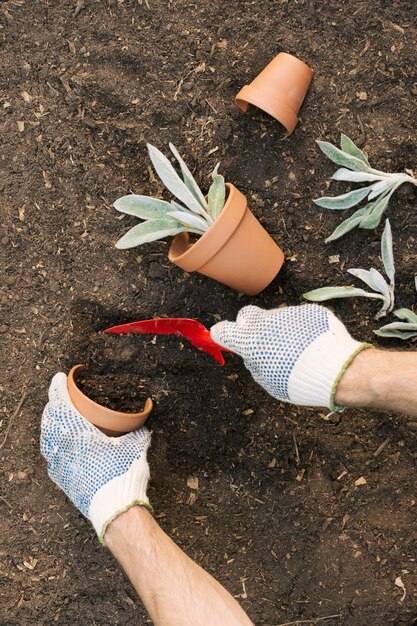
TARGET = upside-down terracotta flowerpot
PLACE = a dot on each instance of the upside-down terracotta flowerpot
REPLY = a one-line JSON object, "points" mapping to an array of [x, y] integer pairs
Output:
{"points": [[111, 423], [236, 250], [279, 90]]}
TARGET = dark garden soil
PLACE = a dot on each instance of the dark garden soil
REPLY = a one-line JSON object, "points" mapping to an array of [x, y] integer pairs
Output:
{"points": [[302, 517]]}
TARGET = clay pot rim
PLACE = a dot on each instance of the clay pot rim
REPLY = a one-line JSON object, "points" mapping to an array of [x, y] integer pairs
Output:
{"points": [[108, 420], [206, 246], [277, 108]]}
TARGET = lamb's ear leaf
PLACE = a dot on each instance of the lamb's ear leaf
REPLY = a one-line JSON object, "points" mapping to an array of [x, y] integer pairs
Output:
{"points": [[364, 276], [342, 158], [190, 220], [397, 330], [189, 179], [172, 181], [351, 148], [381, 284], [151, 230], [327, 293], [142, 206], [406, 314], [387, 252], [354, 177], [345, 201], [216, 194], [379, 188], [375, 212], [347, 225]]}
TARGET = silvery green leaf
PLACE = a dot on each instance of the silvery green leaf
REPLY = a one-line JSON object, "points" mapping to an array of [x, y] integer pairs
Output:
{"points": [[345, 201], [190, 220], [348, 146], [176, 206], [406, 314], [142, 206], [150, 230], [396, 334], [354, 177], [327, 293], [172, 181], [342, 158], [216, 194], [381, 284], [347, 225], [375, 212], [189, 179], [364, 276], [387, 253], [398, 330], [379, 188]]}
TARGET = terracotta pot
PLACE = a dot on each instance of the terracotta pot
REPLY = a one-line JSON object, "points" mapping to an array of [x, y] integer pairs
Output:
{"points": [[111, 423], [236, 250], [279, 89]]}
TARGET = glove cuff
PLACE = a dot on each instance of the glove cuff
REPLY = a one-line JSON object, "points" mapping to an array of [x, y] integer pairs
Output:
{"points": [[315, 376], [119, 495]]}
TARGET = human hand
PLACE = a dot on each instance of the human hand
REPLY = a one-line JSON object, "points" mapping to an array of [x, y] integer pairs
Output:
{"points": [[103, 476], [298, 353]]}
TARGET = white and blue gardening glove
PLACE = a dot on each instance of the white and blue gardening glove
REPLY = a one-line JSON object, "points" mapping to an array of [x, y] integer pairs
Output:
{"points": [[103, 476], [298, 353]]}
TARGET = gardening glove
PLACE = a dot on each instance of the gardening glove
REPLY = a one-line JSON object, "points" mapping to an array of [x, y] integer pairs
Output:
{"points": [[298, 353], [103, 476]]}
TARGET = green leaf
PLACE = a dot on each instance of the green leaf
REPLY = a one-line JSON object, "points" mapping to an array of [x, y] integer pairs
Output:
{"points": [[189, 220], [354, 177], [216, 194], [397, 330], [345, 201], [342, 158], [348, 146], [150, 230], [381, 284], [347, 225], [406, 314], [387, 253], [172, 181], [327, 293], [142, 206], [380, 188], [189, 179], [375, 212], [365, 277]]}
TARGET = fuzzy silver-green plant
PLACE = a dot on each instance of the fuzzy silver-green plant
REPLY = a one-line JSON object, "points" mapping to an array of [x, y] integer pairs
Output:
{"points": [[356, 169], [382, 290], [193, 213], [405, 329]]}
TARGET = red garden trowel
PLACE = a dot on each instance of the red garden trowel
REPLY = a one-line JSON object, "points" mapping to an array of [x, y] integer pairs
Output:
{"points": [[197, 334]]}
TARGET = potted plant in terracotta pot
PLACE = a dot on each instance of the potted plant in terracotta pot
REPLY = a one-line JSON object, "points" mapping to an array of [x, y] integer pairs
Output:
{"points": [[110, 422], [232, 247]]}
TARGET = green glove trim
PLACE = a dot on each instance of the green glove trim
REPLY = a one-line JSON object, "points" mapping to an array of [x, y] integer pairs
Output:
{"points": [[334, 407]]}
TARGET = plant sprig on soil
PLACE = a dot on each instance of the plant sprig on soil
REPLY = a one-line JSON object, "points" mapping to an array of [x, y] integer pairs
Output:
{"points": [[356, 169], [406, 328], [382, 290], [193, 213]]}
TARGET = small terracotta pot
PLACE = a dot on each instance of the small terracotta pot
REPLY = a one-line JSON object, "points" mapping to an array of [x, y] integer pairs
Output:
{"points": [[236, 250], [111, 423], [279, 89]]}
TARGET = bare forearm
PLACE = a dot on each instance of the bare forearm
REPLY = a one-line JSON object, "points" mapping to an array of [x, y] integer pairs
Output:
{"points": [[174, 589], [381, 379]]}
